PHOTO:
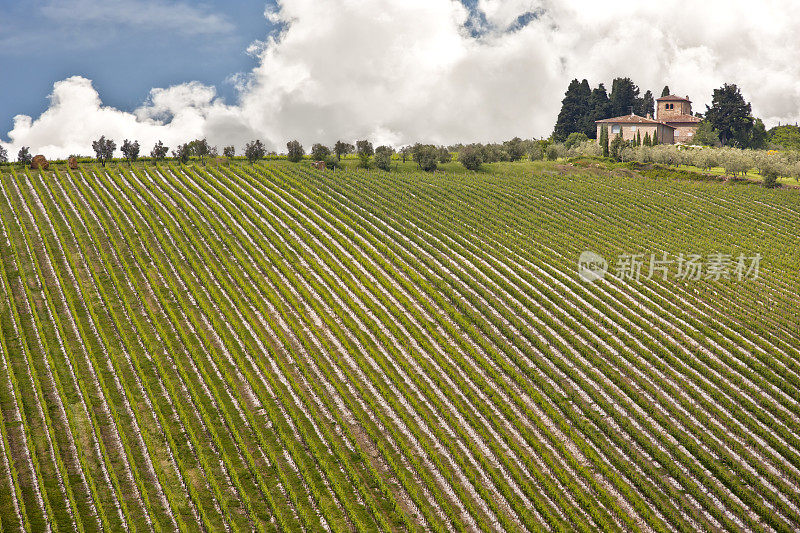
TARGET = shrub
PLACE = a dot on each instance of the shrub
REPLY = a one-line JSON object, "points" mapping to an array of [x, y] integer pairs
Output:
{"points": [[538, 150], [575, 139], [616, 146], [555, 151]]}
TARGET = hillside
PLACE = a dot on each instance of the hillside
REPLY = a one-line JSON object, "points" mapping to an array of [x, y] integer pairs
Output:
{"points": [[272, 347]]}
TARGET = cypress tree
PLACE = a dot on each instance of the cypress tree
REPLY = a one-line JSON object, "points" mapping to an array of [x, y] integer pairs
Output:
{"points": [[648, 104], [665, 92], [647, 138], [599, 108], [638, 138], [604, 140], [624, 97], [574, 115]]}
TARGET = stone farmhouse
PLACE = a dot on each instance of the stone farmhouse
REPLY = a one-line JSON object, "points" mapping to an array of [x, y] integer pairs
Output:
{"points": [[677, 112], [674, 123]]}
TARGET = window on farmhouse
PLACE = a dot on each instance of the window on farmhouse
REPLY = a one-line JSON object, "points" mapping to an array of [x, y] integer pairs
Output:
{"points": [[633, 129], [614, 129]]}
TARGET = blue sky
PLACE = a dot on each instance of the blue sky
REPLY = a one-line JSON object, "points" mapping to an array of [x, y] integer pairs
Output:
{"points": [[162, 44]]}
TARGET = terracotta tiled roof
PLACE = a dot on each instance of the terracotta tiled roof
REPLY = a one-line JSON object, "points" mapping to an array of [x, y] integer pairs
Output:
{"points": [[683, 119], [673, 98], [631, 119]]}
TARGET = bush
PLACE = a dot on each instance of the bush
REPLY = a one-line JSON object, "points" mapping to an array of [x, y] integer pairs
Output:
{"points": [[575, 139], [539, 150], [770, 179], [616, 146], [588, 148], [471, 157]]}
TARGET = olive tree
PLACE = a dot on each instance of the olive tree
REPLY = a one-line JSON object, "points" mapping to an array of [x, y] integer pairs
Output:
{"points": [[182, 153], [130, 149], [104, 149], [471, 156], [383, 157], [426, 156], [159, 151], [320, 152], [364, 151], [295, 151], [24, 156], [255, 151], [342, 148]]}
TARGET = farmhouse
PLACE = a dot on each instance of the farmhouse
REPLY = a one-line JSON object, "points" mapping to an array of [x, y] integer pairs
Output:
{"points": [[674, 122], [676, 111], [629, 126]]}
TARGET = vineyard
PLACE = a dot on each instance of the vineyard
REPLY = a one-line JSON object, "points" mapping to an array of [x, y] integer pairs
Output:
{"points": [[272, 347]]}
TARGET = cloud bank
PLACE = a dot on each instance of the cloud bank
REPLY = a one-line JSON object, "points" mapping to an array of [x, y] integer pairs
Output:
{"points": [[400, 71]]}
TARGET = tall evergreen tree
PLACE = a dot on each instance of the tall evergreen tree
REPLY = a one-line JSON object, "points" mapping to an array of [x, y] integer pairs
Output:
{"points": [[604, 140], [758, 136], [599, 108], [646, 140], [624, 96], [647, 105], [574, 110], [731, 116], [665, 92]]}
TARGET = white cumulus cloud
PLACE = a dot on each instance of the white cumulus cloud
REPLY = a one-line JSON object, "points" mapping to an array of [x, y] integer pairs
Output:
{"points": [[400, 71]]}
